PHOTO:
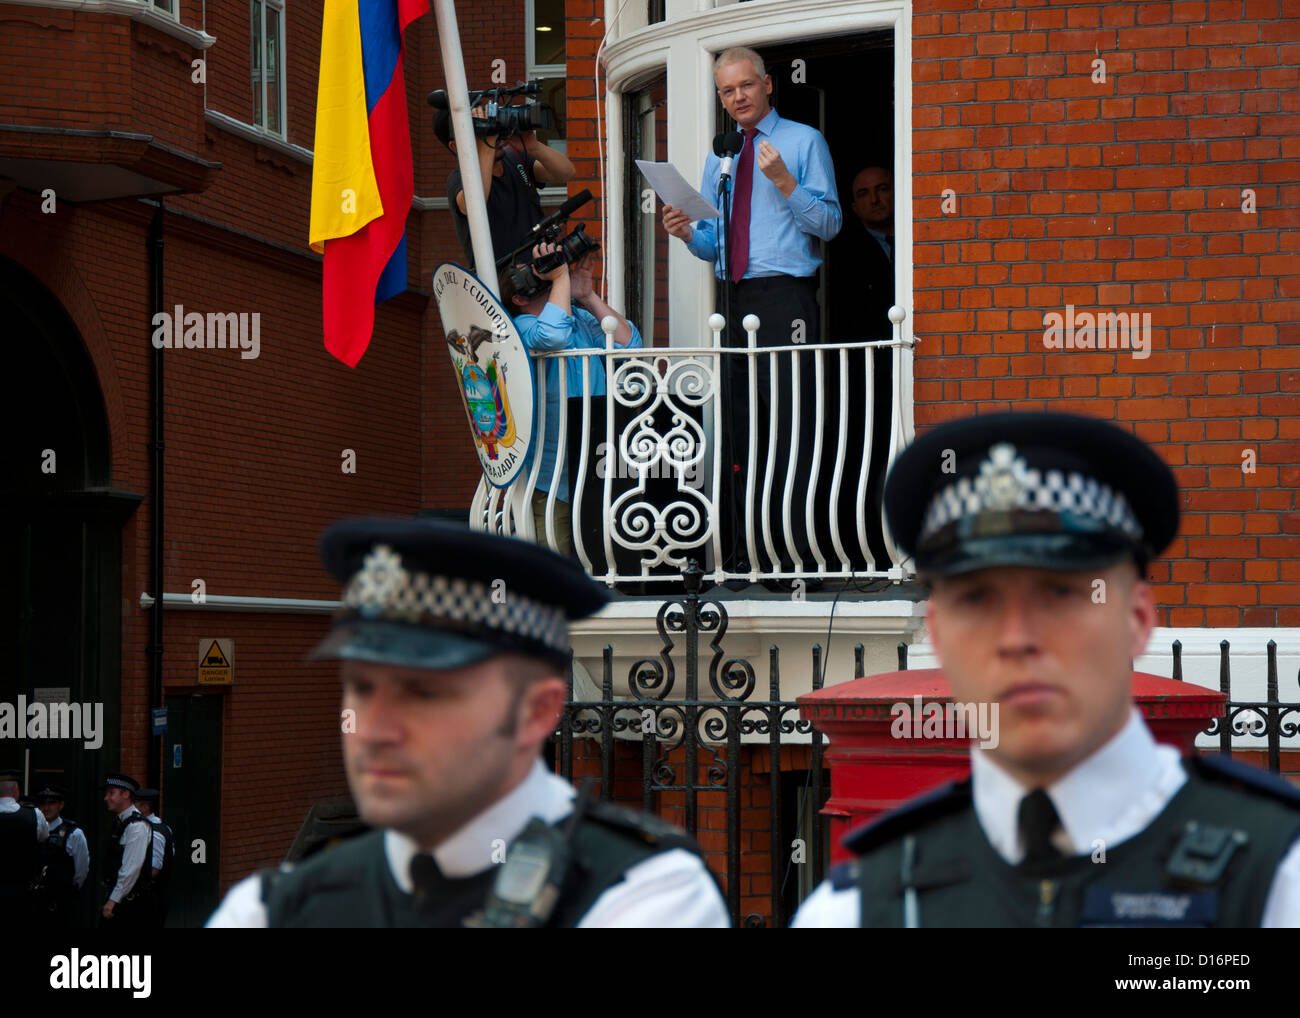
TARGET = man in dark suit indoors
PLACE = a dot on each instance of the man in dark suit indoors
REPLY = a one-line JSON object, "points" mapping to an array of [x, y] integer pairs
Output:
{"points": [[860, 293]]}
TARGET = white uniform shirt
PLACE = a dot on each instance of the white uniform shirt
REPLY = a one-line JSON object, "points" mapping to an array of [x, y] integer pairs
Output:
{"points": [[135, 846], [673, 888], [8, 804], [76, 847], [1110, 797]]}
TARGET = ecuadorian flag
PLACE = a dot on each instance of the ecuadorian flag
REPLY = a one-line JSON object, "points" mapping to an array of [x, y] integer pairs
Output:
{"points": [[362, 181]]}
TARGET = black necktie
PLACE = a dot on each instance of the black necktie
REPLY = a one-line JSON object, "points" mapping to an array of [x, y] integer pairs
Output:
{"points": [[426, 877], [1038, 820], [889, 244]]}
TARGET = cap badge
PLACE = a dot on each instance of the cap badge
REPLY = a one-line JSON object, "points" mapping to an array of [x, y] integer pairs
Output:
{"points": [[1004, 478], [380, 577]]}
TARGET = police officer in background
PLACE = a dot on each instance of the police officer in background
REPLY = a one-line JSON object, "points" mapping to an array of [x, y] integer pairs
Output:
{"points": [[22, 833], [127, 861], [1033, 532], [65, 862], [161, 855], [454, 645]]}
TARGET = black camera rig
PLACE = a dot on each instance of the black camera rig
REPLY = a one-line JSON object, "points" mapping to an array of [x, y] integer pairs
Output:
{"points": [[525, 279], [502, 118]]}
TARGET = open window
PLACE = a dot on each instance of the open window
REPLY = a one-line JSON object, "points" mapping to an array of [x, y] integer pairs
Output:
{"points": [[645, 253]]}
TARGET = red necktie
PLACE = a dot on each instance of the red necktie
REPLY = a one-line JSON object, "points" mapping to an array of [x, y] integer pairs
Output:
{"points": [[740, 212]]}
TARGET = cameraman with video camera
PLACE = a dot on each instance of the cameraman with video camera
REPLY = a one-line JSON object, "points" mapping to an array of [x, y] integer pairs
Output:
{"points": [[510, 179], [540, 292]]}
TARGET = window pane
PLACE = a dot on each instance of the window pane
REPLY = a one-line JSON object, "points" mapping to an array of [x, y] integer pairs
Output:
{"points": [[548, 31], [256, 62], [165, 5], [645, 136], [273, 38]]}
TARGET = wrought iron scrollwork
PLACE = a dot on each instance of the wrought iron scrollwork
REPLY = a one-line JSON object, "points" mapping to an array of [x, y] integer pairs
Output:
{"points": [[636, 522], [731, 678], [651, 679]]}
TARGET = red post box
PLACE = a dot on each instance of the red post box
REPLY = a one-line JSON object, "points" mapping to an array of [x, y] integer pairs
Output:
{"points": [[873, 769]]}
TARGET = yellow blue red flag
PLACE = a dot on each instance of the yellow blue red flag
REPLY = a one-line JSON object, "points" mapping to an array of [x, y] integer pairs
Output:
{"points": [[362, 178]]}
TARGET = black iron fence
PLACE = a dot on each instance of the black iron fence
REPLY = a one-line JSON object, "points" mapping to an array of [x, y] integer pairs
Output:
{"points": [[692, 745], [1271, 718], [690, 757]]}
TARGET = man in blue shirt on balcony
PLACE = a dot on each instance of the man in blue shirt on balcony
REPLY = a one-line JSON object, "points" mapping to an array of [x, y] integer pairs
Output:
{"points": [[780, 217], [547, 321]]}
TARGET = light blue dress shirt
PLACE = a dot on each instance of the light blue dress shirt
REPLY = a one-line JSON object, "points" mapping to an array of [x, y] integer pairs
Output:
{"points": [[555, 330], [784, 233]]}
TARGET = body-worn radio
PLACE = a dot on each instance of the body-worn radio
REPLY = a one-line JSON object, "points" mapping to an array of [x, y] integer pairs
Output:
{"points": [[533, 876]]}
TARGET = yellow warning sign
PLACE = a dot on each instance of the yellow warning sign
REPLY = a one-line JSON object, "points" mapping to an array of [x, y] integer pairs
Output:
{"points": [[216, 661]]}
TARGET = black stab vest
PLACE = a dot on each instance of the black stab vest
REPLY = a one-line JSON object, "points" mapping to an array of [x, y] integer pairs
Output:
{"points": [[60, 869], [351, 884], [163, 879], [20, 852], [959, 880], [116, 850]]}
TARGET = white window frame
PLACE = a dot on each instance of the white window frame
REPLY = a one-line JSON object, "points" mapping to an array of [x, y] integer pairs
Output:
{"points": [[647, 253], [687, 42], [281, 98], [530, 43], [536, 70], [161, 7]]}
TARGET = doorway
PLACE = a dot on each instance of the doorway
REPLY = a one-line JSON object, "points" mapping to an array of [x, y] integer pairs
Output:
{"points": [[191, 804], [844, 86], [61, 554]]}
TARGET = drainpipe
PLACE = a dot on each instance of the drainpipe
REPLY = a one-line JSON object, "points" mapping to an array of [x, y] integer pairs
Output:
{"points": [[156, 393]]}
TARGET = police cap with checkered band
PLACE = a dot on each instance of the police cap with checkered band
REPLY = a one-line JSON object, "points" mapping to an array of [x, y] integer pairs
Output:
{"points": [[1047, 490], [432, 594]]}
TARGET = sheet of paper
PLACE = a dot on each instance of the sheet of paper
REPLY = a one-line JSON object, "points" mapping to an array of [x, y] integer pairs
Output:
{"points": [[673, 190]]}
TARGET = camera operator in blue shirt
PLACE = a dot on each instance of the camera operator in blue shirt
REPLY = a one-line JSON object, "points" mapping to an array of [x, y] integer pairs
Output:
{"points": [[548, 320]]}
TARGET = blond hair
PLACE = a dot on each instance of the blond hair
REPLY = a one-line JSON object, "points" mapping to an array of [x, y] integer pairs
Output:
{"points": [[735, 55]]}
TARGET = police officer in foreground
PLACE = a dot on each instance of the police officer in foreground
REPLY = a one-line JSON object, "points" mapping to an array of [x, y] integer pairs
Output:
{"points": [[1035, 551], [126, 871], [22, 832], [453, 646], [65, 862], [161, 855]]}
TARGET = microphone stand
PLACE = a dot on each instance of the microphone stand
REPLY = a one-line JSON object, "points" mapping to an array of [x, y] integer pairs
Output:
{"points": [[726, 369]]}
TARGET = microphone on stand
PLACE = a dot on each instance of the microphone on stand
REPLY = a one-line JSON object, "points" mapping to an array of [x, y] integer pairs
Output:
{"points": [[726, 146]]}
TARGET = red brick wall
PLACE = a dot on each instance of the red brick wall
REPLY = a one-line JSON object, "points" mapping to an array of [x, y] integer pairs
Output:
{"points": [[47, 80], [585, 29], [1124, 196], [253, 474], [66, 69], [280, 726]]}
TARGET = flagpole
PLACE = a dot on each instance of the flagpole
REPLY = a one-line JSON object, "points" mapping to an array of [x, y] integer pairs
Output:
{"points": [[462, 126]]}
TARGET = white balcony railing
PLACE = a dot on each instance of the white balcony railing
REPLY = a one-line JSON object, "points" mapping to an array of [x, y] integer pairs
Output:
{"points": [[644, 464]]}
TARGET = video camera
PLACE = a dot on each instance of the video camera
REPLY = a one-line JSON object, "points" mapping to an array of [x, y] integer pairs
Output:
{"points": [[503, 119], [524, 279]]}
